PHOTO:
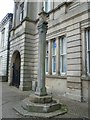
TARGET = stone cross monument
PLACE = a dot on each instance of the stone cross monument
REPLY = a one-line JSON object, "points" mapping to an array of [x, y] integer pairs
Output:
{"points": [[42, 28], [40, 104]]}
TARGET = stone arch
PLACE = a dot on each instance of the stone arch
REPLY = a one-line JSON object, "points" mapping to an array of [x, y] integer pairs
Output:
{"points": [[15, 68]]}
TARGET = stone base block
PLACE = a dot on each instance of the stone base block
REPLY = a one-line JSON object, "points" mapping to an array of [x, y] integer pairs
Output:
{"points": [[3, 78], [25, 86], [40, 99], [34, 85], [41, 91]]}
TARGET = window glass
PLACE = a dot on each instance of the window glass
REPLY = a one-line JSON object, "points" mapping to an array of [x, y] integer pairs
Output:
{"points": [[2, 37], [89, 60], [46, 61], [21, 11], [54, 56], [0, 65], [63, 56], [16, 15], [89, 40], [88, 50]]}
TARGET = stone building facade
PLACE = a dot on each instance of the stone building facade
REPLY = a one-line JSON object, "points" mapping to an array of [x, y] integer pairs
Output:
{"points": [[5, 26], [67, 47]]}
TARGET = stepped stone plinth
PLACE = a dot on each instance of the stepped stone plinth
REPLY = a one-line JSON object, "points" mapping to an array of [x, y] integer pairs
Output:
{"points": [[40, 106]]}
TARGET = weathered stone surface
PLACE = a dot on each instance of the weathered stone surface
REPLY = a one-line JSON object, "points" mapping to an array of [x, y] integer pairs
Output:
{"points": [[40, 107], [42, 29], [28, 109], [40, 99], [25, 113]]}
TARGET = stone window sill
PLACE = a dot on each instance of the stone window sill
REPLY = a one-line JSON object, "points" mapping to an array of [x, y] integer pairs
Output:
{"points": [[56, 76]]}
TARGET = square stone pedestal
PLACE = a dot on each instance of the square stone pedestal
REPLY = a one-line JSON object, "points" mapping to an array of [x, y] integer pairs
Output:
{"points": [[3, 78], [40, 99]]}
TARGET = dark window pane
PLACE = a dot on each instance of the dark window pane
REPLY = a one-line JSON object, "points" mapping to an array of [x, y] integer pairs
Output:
{"points": [[89, 61], [46, 64], [54, 64], [21, 11], [89, 40]]}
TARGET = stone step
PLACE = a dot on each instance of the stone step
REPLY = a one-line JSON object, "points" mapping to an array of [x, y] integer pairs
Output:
{"points": [[18, 107], [40, 108]]}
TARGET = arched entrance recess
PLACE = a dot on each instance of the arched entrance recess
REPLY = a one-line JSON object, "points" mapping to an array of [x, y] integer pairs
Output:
{"points": [[16, 62]]}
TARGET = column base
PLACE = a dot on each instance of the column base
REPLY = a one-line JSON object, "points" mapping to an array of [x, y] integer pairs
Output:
{"points": [[40, 99], [41, 91]]}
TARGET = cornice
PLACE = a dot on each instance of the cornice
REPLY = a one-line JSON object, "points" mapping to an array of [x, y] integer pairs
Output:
{"points": [[6, 18]]}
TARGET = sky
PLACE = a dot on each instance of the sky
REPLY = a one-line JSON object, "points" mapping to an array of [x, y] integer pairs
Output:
{"points": [[6, 6]]}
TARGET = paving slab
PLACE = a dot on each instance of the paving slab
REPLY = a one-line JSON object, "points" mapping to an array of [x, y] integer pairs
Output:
{"points": [[11, 96]]}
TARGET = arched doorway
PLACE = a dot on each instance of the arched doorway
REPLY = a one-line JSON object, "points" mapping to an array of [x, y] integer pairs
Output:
{"points": [[16, 62]]}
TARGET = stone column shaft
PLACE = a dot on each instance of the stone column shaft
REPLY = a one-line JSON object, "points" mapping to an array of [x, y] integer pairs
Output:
{"points": [[41, 89], [41, 54]]}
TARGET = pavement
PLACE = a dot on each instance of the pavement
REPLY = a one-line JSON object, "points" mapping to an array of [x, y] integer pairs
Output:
{"points": [[12, 96]]}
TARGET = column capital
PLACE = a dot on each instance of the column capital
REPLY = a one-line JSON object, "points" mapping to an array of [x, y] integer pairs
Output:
{"points": [[42, 27], [43, 16]]}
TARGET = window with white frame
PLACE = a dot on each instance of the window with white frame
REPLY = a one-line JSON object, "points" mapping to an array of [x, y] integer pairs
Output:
{"points": [[16, 15], [46, 60], [2, 37], [88, 50], [63, 56], [47, 5], [54, 56], [0, 65], [21, 11]]}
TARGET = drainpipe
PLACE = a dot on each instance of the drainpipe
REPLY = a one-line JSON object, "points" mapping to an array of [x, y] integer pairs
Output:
{"points": [[8, 48]]}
